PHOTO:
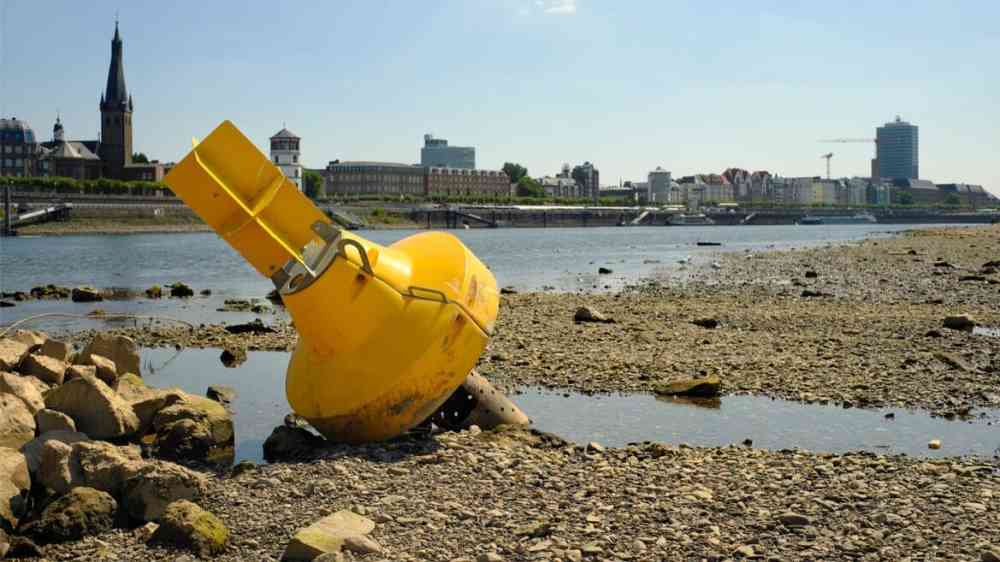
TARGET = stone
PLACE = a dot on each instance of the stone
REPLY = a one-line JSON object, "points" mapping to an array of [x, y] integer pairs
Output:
{"points": [[792, 519], [181, 290], [604, 271], [243, 467], [48, 369], [31, 338], [4, 543], [132, 388], [193, 428], [221, 393], [990, 555], [361, 544], [11, 354], [953, 360], [287, 443], [590, 314], [327, 535], [934, 444], [23, 389], [330, 557], [56, 349], [121, 349], [94, 407], [79, 371], [105, 368], [707, 323], [17, 424], [508, 291], [23, 547], [186, 525], [50, 420], [154, 292], [961, 322], [33, 449], [86, 294], [15, 482], [489, 557], [156, 485], [233, 356], [745, 551], [706, 386], [81, 512]]}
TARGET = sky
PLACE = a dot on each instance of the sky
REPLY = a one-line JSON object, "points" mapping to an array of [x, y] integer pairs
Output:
{"points": [[694, 87]]}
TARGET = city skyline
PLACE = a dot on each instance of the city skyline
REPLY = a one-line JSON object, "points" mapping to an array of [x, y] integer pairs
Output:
{"points": [[528, 88]]}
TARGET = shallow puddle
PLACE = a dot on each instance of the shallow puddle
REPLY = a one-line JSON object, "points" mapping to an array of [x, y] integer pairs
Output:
{"points": [[611, 420], [988, 332]]}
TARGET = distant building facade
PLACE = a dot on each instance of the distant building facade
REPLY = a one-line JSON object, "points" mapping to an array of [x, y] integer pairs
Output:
{"points": [[285, 155], [18, 148], [355, 178], [461, 182], [588, 178], [897, 150], [352, 178], [658, 186], [437, 154]]}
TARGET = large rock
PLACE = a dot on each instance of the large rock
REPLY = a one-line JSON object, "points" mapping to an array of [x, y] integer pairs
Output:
{"points": [[79, 371], [291, 443], [94, 407], [82, 511], [11, 354], [48, 369], [590, 314], [186, 525], [705, 386], [147, 494], [86, 294], [105, 369], [17, 424], [193, 428], [24, 390], [328, 535], [56, 349], [14, 485], [33, 449], [30, 338], [961, 322], [120, 349], [50, 420]]}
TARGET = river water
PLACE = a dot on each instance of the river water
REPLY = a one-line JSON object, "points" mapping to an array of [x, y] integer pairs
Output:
{"points": [[563, 259]]}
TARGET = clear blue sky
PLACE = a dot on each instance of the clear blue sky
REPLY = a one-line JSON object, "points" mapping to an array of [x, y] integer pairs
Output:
{"points": [[630, 85]]}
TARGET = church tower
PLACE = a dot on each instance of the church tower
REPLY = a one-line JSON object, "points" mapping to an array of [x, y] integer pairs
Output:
{"points": [[116, 116]]}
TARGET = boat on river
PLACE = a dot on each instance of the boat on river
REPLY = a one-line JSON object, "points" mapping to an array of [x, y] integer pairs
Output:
{"points": [[859, 218]]}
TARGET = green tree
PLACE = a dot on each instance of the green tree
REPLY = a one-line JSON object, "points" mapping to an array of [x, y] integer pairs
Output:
{"points": [[313, 184], [515, 171], [140, 158], [903, 198], [527, 187], [952, 200]]}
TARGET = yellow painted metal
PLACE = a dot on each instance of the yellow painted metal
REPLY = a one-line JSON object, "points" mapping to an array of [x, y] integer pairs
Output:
{"points": [[378, 351]]}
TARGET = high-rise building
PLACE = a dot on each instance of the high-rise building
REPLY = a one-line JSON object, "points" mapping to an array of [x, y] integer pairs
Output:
{"points": [[589, 180], [897, 146], [658, 185], [285, 155], [437, 154]]}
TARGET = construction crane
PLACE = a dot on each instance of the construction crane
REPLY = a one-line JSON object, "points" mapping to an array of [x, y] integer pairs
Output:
{"points": [[828, 156]]}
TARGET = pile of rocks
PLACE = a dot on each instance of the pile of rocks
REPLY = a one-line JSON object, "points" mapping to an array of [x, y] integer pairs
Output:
{"points": [[86, 445]]}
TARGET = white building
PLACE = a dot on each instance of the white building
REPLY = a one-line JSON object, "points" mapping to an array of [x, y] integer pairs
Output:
{"points": [[659, 181], [285, 155]]}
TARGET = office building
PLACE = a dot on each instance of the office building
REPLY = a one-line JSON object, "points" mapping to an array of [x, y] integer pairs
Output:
{"points": [[461, 182], [898, 150], [658, 186], [437, 154], [357, 178]]}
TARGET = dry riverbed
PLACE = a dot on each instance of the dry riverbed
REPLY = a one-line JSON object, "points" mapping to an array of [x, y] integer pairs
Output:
{"points": [[877, 338]]}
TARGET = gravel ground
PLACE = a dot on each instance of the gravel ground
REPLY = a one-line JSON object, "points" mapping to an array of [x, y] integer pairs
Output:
{"points": [[525, 496]]}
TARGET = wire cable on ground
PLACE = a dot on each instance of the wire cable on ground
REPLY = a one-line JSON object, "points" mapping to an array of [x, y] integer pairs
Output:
{"points": [[45, 315]]}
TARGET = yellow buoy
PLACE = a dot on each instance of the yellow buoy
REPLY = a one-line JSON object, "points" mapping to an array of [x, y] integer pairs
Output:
{"points": [[386, 334]]}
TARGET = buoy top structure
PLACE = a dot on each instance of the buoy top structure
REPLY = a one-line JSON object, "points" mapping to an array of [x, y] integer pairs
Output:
{"points": [[386, 334]]}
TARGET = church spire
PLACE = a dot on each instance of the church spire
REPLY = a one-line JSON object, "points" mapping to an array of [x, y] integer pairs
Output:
{"points": [[115, 94]]}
